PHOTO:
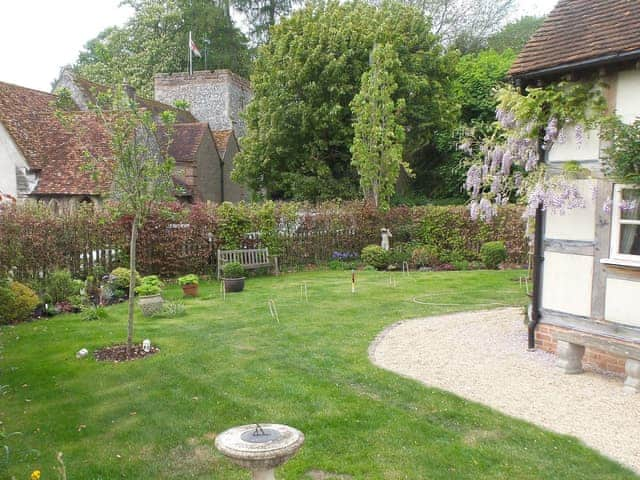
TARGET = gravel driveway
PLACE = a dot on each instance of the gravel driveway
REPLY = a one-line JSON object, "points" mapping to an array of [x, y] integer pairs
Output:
{"points": [[482, 356]]}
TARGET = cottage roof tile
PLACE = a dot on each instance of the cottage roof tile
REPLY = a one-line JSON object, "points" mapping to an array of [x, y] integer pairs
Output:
{"points": [[580, 30]]}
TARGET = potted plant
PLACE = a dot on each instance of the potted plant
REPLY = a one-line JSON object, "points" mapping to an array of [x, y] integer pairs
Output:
{"points": [[233, 277], [149, 297], [189, 284]]}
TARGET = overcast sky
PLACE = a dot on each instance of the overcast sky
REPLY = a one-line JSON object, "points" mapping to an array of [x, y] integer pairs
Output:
{"points": [[38, 37]]}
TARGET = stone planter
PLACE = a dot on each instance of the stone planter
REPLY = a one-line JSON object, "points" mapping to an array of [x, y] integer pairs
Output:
{"points": [[150, 304], [233, 284], [190, 290]]}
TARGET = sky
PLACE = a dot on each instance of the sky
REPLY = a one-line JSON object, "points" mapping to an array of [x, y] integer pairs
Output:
{"points": [[39, 37]]}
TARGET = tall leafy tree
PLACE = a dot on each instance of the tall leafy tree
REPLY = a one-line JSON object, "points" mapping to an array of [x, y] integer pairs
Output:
{"points": [[300, 122], [261, 15], [378, 137], [155, 40], [465, 24], [515, 35], [440, 171]]}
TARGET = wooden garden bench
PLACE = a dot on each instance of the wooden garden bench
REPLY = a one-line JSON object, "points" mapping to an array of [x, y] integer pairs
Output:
{"points": [[249, 258], [571, 347]]}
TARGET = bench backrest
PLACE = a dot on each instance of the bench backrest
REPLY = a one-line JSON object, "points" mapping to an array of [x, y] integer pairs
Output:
{"points": [[246, 257]]}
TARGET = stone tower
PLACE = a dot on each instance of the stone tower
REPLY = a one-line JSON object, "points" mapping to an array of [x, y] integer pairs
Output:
{"points": [[217, 97]]}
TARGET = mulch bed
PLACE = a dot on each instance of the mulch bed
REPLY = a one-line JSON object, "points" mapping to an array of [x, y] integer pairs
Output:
{"points": [[118, 353]]}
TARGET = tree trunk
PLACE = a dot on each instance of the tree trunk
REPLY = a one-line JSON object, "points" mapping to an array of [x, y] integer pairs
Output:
{"points": [[132, 281]]}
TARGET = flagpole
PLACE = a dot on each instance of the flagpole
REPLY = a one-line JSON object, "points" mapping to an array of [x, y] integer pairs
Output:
{"points": [[190, 56]]}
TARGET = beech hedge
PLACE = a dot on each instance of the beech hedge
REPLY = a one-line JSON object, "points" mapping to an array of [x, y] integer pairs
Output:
{"points": [[179, 239]]}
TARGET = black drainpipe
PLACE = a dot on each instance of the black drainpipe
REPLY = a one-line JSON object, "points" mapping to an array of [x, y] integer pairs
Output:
{"points": [[538, 258]]}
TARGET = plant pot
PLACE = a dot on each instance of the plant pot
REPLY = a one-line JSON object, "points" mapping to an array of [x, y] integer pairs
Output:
{"points": [[190, 290], [150, 304], [233, 284]]}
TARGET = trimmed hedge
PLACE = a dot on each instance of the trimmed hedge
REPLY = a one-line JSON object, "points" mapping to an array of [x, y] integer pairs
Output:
{"points": [[179, 239]]}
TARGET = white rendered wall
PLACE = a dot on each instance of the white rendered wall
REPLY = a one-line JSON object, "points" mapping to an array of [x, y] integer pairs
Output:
{"points": [[576, 224], [623, 302], [571, 150], [10, 158], [567, 283], [628, 95]]}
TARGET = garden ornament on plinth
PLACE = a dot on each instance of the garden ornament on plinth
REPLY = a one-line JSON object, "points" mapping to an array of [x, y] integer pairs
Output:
{"points": [[386, 235], [146, 345]]}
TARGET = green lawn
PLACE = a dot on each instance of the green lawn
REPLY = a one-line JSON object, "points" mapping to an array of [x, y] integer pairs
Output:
{"points": [[227, 363]]}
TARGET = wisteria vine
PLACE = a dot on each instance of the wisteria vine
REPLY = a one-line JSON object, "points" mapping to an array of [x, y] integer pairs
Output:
{"points": [[506, 162]]}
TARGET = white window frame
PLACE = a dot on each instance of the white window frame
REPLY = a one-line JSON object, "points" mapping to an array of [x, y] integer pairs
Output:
{"points": [[616, 224]]}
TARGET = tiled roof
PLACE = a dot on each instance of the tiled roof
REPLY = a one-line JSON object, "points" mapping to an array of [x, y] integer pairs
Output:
{"points": [[91, 90], [579, 30], [187, 138], [56, 150], [221, 137]]}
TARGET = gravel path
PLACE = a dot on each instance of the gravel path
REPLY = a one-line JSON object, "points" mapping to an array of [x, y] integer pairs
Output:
{"points": [[482, 356]]}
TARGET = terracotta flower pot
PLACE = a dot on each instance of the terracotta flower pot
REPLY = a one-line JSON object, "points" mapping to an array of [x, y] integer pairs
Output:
{"points": [[233, 284], [190, 290]]}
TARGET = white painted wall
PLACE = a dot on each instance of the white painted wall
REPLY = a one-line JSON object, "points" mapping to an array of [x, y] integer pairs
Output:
{"points": [[570, 150], [622, 302], [567, 283], [628, 95], [576, 224], [10, 158]]}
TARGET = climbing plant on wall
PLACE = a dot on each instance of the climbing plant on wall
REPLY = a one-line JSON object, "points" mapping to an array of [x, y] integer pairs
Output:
{"points": [[505, 163]]}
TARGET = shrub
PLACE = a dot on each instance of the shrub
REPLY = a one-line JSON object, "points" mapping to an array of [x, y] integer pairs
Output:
{"points": [[149, 285], [120, 279], [7, 299], [92, 313], [191, 279], [61, 286], [493, 254], [233, 270], [400, 253], [151, 280], [376, 256], [172, 309], [425, 256], [17, 302], [146, 289]]}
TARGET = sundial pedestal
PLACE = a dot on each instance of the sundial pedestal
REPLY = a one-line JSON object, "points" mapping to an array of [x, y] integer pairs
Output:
{"points": [[260, 448]]}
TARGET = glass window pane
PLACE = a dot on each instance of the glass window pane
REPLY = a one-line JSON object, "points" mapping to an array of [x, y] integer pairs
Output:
{"points": [[629, 240], [630, 204]]}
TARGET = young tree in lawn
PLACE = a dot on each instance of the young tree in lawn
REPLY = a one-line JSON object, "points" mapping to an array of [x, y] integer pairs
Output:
{"points": [[378, 136], [142, 168]]}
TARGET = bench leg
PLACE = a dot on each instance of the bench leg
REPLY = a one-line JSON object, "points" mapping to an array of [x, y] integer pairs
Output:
{"points": [[570, 357], [632, 382]]}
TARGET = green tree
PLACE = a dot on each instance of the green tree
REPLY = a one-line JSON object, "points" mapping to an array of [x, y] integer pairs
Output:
{"points": [[440, 171], [465, 24], [515, 35], [155, 40], [477, 77], [300, 123], [141, 168], [378, 137], [261, 15]]}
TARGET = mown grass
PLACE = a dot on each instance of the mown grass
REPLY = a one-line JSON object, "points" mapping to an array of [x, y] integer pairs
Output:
{"points": [[229, 362]]}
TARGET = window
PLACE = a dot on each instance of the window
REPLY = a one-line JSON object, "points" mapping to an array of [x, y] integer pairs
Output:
{"points": [[625, 226]]}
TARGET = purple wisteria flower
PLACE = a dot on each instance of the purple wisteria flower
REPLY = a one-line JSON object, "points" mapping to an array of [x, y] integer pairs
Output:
{"points": [[606, 206], [628, 205], [474, 181], [550, 132], [579, 134]]}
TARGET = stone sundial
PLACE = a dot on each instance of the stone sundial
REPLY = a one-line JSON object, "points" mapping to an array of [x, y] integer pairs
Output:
{"points": [[260, 447]]}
